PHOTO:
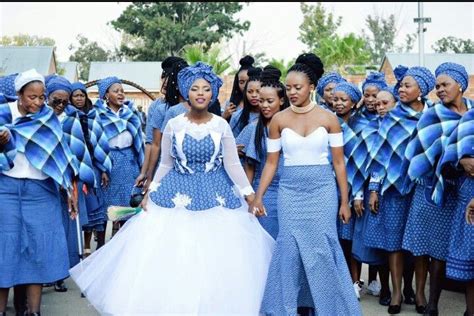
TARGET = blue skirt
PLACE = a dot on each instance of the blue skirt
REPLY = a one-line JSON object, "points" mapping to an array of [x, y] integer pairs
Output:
{"points": [[360, 251], [345, 231], [308, 266], [429, 226], [33, 247], [96, 210], [269, 222], [460, 260], [125, 169], [385, 230]]}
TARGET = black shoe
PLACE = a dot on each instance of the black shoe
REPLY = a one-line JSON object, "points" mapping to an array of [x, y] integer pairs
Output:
{"points": [[409, 297], [385, 300], [395, 309], [48, 284], [421, 309], [60, 287]]}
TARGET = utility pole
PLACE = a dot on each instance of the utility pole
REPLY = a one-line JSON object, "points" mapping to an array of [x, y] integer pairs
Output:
{"points": [[421, 30]]}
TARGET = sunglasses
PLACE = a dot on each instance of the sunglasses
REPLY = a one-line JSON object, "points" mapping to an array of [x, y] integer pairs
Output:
{"points": [[57, 102]]}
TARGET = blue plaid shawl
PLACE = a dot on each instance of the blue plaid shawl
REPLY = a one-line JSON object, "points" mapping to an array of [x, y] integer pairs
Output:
{"points": [[361, 119], [431, 135], [387, 154], [350, 140], [40, 137], [75, 139], [127, 120], [99, 140], [459, 145], [360, 154]]}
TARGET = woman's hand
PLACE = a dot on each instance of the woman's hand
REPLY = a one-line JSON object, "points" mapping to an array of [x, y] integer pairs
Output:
{"points": [[4, 137], [374, 202], [345, 213], [257, 208], [359, 207], [72, 206], [468, 165], [140, 180], [240, 150], [229, 110], [144, 201], [105, 180], [470, 213]]}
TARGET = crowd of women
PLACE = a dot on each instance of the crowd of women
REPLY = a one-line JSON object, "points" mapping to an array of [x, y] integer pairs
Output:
{"points": [[269, 206]]}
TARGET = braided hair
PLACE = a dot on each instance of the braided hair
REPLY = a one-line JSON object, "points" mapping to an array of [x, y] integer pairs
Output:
{"points": [[270, 77], [254, 75], [311, 65], [172, 90], [236, 95]]}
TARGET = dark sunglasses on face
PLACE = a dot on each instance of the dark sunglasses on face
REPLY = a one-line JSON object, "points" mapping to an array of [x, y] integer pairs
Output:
{"points": [[57, 102]]}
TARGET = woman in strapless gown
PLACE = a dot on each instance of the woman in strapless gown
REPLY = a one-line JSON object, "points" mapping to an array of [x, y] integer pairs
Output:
{"points": [[308, 268]]}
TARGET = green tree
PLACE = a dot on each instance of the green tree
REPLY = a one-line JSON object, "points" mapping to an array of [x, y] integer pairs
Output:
{"points": [[26, 40], [164, 28], [282, 66], [86, 52], [317, 25], [346, 55], [382, 36], [455, 45], [194, 53]]}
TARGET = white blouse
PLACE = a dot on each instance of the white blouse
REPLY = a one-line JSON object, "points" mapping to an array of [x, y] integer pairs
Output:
{"points": [[311, 149]]}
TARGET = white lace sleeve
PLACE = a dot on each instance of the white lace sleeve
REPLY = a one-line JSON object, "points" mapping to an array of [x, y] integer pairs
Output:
{"points": [[232, 163], [166, 161]]}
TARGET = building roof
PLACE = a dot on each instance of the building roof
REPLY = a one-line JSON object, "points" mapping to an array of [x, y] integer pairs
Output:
{"points": [[432, 61], [146, 74], [70, 70], [15, 59]]}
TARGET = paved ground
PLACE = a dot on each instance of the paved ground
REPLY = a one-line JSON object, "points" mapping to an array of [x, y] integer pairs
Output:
{"points": [[71, 303]]}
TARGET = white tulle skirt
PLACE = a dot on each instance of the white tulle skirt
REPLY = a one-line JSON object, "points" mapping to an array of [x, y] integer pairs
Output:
{"points": [[179, 262]]}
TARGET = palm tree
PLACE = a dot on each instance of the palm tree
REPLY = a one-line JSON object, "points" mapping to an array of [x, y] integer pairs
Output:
{"points": [[196, 52]]}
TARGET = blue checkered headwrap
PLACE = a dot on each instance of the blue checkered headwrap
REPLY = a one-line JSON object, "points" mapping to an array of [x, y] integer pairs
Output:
{"points": [[105, 84], [40, 137], [376, 79], [188, 75], [327, 79], [78, 86], [7, 85], [424, 78], [455, 71], [350, 89]]}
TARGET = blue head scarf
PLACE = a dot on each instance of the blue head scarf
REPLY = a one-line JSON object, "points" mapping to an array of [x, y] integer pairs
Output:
{"points": [[376, 79], [327, 79], [105, 84], [7, 85], [188, 75], [58, 83], [391, 90], [455, 71], [350, 89], [78, 86], [424, 78]]}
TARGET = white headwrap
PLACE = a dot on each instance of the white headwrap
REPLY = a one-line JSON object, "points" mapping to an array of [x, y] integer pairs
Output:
{"points": [[26, 77]]}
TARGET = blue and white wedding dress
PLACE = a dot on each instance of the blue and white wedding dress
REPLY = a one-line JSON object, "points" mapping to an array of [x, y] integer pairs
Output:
{"points": [[196, 250]]}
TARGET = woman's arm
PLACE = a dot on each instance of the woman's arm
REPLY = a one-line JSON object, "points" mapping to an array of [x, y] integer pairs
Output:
{"points": [[154, 154], [249, 169]]}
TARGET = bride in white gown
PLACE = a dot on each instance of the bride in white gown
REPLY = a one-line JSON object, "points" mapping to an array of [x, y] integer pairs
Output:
{"points": [[195, 250]]}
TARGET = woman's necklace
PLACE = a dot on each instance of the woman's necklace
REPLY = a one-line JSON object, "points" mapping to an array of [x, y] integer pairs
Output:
{"points": [[302, 109]]}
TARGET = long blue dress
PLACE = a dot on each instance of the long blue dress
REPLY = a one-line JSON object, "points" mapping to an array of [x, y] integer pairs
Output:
{"points": [[308, 255]]}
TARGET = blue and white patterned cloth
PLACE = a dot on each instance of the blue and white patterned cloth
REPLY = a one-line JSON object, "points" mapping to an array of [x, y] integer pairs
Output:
{"points": [[173, 111], [431, 136], [7, 85], [350, 89], [460, 260], [40, 137], [360, 119], [74, 137], [327, 79], [307, 252], [58, 83], [422, 75], [387, 155], [235, 118], [156, 115], [188, 75], [116, 123], [105, 84], [376, 79], [459, 145], [350, 141]]}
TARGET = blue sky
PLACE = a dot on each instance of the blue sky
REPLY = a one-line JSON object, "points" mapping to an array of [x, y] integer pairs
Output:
{"points": [[274, 26]]}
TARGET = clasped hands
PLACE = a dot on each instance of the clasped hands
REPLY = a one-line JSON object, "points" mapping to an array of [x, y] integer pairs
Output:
{"points": [[256, 206]]}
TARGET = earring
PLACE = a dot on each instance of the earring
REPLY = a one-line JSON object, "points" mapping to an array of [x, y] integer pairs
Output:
{"points": [[460, 89], [419, 98]]}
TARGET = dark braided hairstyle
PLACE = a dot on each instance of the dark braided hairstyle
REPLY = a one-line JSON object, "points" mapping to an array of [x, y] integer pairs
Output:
{"points": [[254, 75], [270, 77], [172, 91], [311, 65], [236, 95]]}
